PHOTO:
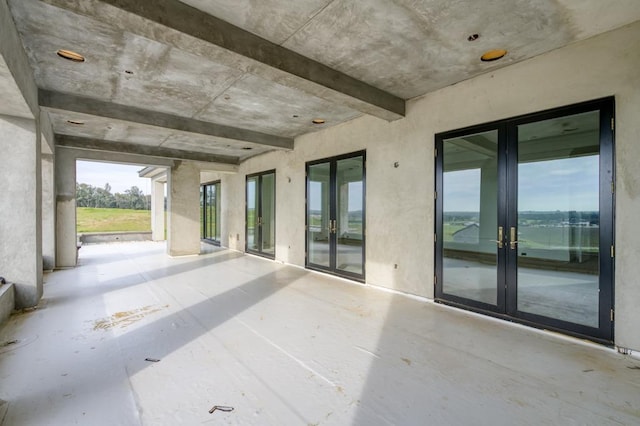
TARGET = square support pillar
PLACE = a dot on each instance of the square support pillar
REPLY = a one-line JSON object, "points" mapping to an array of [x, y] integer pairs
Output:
{"points": [[183, 233], [66, 238], [48, 213], [157, 210], [21, 198]]}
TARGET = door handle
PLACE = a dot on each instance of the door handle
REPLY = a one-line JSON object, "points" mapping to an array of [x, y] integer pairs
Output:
{"points": [[259, 221], [500, 237], [333, 226], [513, 238]]}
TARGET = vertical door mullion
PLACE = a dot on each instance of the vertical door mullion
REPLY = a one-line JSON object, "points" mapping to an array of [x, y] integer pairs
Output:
{"points": [[503, 189], [510, 212], [606, 214], [333, 201], [439, 231], [259, 212]]}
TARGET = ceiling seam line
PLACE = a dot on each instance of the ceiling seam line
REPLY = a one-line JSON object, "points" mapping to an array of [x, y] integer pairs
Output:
{"points": [[166, 139], [195, 115], [301, 27]]}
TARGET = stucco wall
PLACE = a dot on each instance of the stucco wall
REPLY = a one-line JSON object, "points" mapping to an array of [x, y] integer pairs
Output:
{"points": [[400, 205]]}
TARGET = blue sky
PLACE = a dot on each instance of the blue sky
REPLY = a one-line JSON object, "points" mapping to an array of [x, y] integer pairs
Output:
{"points": [[120, 177]]}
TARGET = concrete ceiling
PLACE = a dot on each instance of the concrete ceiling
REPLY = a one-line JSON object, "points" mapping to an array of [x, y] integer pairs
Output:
{"points": [[229, 79]]}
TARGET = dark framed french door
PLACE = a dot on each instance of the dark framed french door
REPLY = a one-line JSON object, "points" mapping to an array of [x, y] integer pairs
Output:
{"points": [[525, 219], [260, 215], [335, 215], [210, 212]]}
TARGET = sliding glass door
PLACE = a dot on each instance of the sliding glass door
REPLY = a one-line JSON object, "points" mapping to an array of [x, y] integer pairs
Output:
{"points": [[261, 214], [336, 215], [525, 219]]}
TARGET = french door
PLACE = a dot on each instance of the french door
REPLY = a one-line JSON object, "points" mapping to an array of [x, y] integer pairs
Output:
{"points": [[524, 224], [261, 214], [210, 212], [335, 220]]}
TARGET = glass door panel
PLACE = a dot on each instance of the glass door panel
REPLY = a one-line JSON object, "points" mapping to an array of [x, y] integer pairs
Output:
{"points": [[217, 212], [470, 217], [349, 216], [203, 222], [253, 243], [268, 214], [558, 220], [210, 211], [336, 215], [318, 222], [524, 223]]}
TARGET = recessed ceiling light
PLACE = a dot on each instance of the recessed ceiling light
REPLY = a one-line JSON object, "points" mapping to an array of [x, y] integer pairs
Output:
{"points": [[473, 37], [247, 148], [318, 121], [70, 55], [493, 55], [76, 122]]}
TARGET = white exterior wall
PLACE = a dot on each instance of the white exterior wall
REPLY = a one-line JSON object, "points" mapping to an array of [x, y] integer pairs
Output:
{"points": [[399, 201]]}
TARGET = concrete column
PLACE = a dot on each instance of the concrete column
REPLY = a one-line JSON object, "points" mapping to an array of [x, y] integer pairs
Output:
{"points": [[20, 201], [48, 213], [157, 210], [66, 239], [183, 233]]}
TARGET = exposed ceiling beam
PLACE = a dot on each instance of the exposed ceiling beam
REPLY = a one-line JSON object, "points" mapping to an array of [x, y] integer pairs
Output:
{"points": [[114, 157], [150, 151], [19, 91], [69, 102], [264, 57]]}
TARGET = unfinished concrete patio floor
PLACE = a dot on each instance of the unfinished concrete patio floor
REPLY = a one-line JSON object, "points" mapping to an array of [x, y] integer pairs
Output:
{"points": [[285, 346]]}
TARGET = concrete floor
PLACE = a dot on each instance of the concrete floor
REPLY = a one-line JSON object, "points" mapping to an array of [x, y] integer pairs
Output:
{"points": [[285, 346]]}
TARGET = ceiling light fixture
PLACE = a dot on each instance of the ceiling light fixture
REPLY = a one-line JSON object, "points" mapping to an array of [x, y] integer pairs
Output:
{"points": [[76, 122], [493, 55], [70, 55], [318, 121], [247, 148], [473, 37]]}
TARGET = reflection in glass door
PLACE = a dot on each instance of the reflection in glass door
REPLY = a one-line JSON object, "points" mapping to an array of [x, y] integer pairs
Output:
{"points": [[470, 218], [558, 219], [524, 224], [210, 212], [319, 224], [336, 215], [260, 214]]}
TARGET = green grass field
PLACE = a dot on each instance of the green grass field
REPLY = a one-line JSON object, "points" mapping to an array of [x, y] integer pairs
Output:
{"points": [[112, 220]]}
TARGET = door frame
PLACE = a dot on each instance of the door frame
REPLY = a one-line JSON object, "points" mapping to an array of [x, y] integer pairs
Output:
{"points": [[205, 220], [259, 175], [506, 307], [333, 161]]}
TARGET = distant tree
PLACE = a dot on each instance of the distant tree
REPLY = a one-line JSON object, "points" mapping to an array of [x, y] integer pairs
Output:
{"points": [[103, 197], [136, 198], [84, 195], [90, 196]]}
